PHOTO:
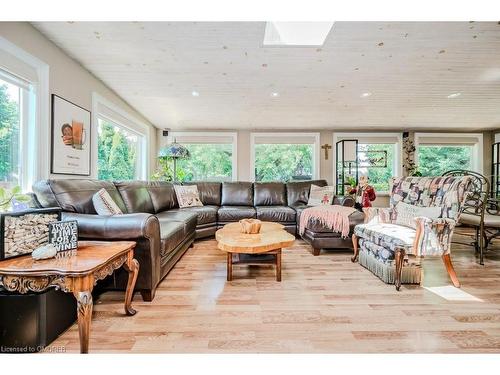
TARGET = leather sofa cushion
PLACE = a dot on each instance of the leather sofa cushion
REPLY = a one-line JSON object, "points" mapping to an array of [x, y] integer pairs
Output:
{"points": [[277, 214], [172, 233], [210, 192], [189, 218], [298, 192], [136, 196], [269, 194], [74, 195], [162, 195], [237, 194], [235, 213], [206, 214]]}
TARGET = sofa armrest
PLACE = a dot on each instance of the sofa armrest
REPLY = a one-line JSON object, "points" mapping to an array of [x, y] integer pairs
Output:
{"points": [[377, 215], [344, 200], [117, 227], [433, 236]]}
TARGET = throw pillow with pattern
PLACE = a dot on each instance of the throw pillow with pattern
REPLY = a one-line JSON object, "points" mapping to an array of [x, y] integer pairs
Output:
{"points": [[321, 195], [188, 196], [104, 204], [405, 214]]}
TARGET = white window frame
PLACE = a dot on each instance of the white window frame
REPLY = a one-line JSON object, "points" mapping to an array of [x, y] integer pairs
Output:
{"points": [[398, 154], [316, 148], [208, 138], [129, 123], [477, 157], [35, 137]]}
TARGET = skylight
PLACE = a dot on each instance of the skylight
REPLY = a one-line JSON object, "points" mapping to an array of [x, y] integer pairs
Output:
{"points": [[296, 33]]}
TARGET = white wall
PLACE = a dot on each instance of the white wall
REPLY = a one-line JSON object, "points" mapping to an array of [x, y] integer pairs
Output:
{"points": [[70, 80]]}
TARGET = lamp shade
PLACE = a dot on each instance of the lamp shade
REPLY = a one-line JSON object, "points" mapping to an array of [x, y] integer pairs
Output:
{"points": [[174, 150]]}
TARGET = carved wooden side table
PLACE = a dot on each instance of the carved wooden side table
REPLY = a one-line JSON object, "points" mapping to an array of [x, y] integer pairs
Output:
{"points": [[78, 274]]}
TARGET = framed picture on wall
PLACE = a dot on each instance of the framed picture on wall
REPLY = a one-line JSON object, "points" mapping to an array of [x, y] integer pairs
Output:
{"points": [[70, 138]]}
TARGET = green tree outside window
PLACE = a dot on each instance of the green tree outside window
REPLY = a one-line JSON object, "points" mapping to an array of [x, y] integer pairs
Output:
{"points": [[9, 136], [117, 152], [435, 160], [283, 162]]}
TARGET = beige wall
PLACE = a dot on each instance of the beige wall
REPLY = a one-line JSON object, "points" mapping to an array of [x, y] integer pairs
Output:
{"points": [[67, 78]]}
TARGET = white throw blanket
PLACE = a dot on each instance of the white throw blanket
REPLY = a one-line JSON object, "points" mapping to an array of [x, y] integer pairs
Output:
{"points": [[334, 217]]}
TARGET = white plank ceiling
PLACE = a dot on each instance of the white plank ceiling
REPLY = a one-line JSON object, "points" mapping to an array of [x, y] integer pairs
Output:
{"points": [[409, 68]]}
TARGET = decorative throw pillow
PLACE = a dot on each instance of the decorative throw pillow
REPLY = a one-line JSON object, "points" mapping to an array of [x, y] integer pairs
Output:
{"points": [[405, 214], [321, 195], [188, 196], [104, 204]]}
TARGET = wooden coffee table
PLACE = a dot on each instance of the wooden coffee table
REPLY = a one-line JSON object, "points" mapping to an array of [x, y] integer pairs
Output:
{"points": [[271, 239], [77, 274]]}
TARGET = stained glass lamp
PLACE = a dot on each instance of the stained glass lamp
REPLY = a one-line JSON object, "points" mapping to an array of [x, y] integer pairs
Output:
{"points": [[175, 151]]}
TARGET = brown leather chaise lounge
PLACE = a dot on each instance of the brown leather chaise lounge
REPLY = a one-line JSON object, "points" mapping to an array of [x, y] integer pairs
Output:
{"points": [[163, 231]]}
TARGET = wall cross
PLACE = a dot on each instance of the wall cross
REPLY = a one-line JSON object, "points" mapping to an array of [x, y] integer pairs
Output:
{"points": [[326, 147]]}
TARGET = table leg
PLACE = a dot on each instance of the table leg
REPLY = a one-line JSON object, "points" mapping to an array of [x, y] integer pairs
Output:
{"points": [[229, 266], [278, 265], [132, 267], [84, 310]]}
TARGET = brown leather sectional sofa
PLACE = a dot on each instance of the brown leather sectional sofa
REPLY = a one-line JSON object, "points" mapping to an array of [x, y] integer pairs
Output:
{"points": [[163, 231]]}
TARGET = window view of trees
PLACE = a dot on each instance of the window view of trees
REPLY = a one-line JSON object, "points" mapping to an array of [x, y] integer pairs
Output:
{"points": [[117, 152], [283, 162], [379, 177], [9, 135], [435, 160], [208, 162]]}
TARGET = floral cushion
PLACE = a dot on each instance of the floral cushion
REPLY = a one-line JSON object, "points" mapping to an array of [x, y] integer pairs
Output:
{"points": [[389, 236], [380, 253], [446, 192]]}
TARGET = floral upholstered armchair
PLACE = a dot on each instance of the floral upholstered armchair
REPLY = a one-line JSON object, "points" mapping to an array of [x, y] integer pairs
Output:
{"points": [[420, 221]]}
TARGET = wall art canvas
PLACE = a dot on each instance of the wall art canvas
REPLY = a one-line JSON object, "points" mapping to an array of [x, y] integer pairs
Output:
{"points": [[64, 236], [70, 138]]}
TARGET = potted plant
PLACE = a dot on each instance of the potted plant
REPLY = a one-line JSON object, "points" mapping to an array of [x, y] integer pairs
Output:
{"points": [[10, 196]]}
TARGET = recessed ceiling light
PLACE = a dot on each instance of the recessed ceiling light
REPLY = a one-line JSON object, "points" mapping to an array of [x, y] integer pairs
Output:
{"points": [[275, 94], [195, 93], [366, 94], [454, 95], [296, 33]]}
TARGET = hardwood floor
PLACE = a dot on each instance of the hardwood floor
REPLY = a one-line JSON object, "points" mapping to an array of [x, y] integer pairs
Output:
{"points": [[324, 304]]}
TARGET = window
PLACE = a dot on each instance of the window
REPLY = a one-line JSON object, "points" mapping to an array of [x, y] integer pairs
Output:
{"points": [[212, 156], [379, 157], [285, 156], [14, 94], [435, 160], [207, 162], [379, 175], [438, 153], [118, 152]]}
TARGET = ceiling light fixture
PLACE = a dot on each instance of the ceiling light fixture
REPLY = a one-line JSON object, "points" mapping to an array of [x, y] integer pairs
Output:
{"points": [[275, 94], [454, 95], [296, 33], [195, 93], [366, 94]]}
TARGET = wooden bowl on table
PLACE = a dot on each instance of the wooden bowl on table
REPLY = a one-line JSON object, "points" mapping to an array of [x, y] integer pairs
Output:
{"points": [[250, 226]]}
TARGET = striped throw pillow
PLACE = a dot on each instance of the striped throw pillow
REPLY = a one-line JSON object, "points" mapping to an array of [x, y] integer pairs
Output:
{"points": [[104, 204]]}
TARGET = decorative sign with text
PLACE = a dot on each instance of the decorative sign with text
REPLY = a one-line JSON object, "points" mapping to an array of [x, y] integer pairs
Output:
{"points": [[64, 236]]}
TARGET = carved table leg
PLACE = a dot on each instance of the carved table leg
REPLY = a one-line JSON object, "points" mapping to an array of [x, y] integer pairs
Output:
{"points": [[278, 265], [132, 267], [84, 309], [229, 266], [399, 259], [355, 247]]}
